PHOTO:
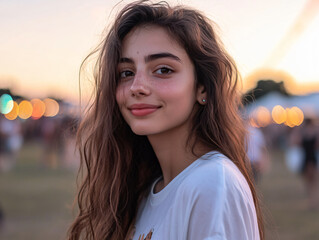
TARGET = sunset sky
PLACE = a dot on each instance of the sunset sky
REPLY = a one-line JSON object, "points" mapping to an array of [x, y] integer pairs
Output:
{"points": [[43, 42]]}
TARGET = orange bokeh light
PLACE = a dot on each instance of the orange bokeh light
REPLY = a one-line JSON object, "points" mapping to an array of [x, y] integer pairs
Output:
{"points": [[38, 108], [262, 116], [51, 107], [13, 114], [25, 109], [278, 114], [295, 116]]}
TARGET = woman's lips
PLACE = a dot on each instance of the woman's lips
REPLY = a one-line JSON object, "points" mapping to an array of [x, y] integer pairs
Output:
{"points": [[142, 109]]}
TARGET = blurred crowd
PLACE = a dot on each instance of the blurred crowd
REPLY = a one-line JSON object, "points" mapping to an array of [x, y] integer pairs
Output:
{"points": [[300, 147], [56, 135]]}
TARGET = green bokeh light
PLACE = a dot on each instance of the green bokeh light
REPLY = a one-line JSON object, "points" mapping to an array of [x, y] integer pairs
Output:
{"points": [[6, 103]]}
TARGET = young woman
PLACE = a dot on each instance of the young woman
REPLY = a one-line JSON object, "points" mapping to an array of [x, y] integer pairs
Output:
{"points": [[163, 145]]}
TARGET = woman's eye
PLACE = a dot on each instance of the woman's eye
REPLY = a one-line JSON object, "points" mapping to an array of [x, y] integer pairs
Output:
{"points": [[164, 70], [125, 74]]}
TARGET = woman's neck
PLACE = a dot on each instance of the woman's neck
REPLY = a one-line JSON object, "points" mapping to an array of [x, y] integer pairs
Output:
{"points": [[174, 153]]}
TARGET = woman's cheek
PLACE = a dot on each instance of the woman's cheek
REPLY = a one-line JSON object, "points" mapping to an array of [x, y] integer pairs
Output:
{"points": [[120, 95]]}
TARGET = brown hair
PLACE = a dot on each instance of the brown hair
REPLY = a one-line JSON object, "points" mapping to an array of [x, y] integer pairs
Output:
{"points": [[121, 165]]}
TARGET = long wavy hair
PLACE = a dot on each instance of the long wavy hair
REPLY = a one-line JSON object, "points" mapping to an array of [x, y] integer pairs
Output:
{"points": [[118, 165]]}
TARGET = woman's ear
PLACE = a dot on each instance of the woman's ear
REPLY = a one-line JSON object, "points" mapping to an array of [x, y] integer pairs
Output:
{"points": [[201, 95]]}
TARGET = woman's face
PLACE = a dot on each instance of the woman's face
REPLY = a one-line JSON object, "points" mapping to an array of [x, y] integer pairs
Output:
{"points": [[156, 92]]}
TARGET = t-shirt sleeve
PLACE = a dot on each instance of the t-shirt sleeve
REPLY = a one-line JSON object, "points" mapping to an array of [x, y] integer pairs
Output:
{"points": [[220, 206]]}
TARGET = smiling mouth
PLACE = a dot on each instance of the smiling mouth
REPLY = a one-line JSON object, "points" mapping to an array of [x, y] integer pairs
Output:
{"points": [[143, 110]]}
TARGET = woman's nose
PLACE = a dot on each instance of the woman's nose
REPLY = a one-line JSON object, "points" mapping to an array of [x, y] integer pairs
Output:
{"points": [[140, 86]]}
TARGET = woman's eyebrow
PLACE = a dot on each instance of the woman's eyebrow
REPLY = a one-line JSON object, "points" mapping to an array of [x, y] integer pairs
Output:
{"points": [[152, 57], [155, 56], [126, 60]]}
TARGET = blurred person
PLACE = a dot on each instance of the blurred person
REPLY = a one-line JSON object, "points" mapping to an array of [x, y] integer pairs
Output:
{"points": [[11, 141], [163, 145], [257, 151], [70, 155], [307, 138], [51, 131], [309, 142], [2, 152]]}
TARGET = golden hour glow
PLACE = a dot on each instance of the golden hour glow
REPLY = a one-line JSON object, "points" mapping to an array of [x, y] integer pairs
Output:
{"points": [[38, 108], [278, 114], [270, 74], [51, 107], [262, 116], [13, 114], [25, 109], [291, 44]]}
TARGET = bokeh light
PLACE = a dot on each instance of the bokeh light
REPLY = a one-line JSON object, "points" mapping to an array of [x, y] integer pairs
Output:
{"points": [[278, 114], [51, 107], [6, 103], [13, 114], [25, 109], [294, 116], [38, 108], [262, 116], [253, 123]]}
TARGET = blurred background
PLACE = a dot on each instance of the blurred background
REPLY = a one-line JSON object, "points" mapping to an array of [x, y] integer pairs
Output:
{"points": [[42, 44]]}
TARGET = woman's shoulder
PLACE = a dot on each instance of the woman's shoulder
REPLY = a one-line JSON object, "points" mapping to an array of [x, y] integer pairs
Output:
{"points": [[215, 173], [220, 200]]}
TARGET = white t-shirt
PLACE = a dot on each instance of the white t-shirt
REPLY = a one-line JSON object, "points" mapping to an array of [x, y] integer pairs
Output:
{"points": [[209, 200]]}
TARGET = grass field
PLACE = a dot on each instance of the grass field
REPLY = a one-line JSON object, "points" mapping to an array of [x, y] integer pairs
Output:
{"points": [[285, 204], [37, 201]]}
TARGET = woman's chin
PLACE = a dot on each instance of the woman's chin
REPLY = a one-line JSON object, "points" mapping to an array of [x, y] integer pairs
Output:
{"points": [[143, 130]]}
